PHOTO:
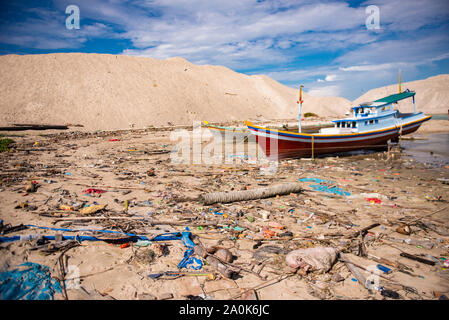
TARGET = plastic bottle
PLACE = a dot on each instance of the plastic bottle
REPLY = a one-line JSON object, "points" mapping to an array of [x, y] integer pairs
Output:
{"points": [[424, 244], [436, 260], [26, 237], [383, 268]]}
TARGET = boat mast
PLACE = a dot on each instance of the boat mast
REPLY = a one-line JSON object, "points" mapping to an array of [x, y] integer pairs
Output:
{"points": [[300, 106]]}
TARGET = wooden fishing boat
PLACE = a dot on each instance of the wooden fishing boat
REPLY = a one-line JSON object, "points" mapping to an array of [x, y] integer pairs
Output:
{"points": [[371, 126], [228, 133]]}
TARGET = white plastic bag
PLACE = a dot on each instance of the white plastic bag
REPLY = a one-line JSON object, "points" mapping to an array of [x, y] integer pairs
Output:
{"points": [[312, 259]]}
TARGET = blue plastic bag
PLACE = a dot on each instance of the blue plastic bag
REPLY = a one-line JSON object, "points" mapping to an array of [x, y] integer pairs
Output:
{"points": [[31, 283]]}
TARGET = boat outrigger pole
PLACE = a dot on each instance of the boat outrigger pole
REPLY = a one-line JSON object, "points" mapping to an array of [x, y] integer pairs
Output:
{"points": [[300, 106], [400, 91]]}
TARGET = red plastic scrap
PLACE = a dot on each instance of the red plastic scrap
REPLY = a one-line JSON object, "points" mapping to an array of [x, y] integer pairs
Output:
{"points": [[373, 200], [114, 140], [92, 190]]}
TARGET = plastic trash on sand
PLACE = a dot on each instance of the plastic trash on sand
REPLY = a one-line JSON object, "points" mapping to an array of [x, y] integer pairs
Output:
{"points": [[92, 209], [31, 281], [93, 190], [325, 186], [66, 207], [312, 259], [374, 200], [190, 262]]}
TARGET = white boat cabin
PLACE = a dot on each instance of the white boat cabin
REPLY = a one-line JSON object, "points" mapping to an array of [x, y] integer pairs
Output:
{"points": [[376, 115]]}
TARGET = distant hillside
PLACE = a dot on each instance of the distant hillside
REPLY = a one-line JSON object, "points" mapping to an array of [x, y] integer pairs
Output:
{"points": [[432, 94], [111, 92]]}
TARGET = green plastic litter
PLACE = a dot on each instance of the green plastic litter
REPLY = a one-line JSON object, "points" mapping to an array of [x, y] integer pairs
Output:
{"points": [[143, 243]]}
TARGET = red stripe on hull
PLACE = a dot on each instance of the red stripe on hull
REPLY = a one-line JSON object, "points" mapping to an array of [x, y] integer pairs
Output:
{"points": [[296, 149]]}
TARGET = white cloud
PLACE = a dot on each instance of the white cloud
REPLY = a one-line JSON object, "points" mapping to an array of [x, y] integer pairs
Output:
{"points": [[327, 91], [252, 34], [330, 77], [235, 33], [236, 55], [414, 49], [370, 67], [218, 31]]}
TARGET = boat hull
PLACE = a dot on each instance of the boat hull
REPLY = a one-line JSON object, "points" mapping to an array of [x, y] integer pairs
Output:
{"points": [[278, 144], [228, 134]]}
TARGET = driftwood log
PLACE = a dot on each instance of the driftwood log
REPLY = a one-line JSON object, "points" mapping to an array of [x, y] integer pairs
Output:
{"points": [[22, 127], [260, 193]]}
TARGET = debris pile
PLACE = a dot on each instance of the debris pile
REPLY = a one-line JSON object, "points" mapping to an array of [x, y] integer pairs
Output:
{"points": [[107, 215]]}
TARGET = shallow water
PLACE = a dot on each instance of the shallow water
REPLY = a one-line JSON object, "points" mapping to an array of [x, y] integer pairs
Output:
{"points": [[433, 149], [442, 116]]}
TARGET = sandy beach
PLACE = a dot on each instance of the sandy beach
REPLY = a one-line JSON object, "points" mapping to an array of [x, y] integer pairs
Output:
{"points": [[216, 156], [147, 194]]}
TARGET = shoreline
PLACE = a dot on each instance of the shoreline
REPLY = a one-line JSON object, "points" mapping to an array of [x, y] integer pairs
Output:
{"points": [[431, 126], [434, 126]]}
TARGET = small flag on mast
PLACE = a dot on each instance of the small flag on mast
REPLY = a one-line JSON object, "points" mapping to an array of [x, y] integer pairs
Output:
{"points": [[300, 94]]}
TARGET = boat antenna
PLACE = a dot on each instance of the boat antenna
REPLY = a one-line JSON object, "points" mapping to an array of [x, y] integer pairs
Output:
{"points": [[300, 106], [399, 80]]}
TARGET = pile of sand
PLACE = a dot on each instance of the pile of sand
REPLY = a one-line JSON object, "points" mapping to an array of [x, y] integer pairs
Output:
{"points": [[432, 95], [102, 91]]}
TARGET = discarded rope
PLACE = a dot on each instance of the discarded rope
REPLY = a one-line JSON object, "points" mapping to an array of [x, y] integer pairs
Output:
{"points": [[260, 193]]}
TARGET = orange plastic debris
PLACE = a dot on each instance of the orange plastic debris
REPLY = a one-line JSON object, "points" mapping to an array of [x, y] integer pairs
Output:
{"points": [[66, 208], [268, 233]]}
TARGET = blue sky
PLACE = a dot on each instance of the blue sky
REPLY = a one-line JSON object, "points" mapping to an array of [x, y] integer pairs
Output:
{"points": [[324, 45]]}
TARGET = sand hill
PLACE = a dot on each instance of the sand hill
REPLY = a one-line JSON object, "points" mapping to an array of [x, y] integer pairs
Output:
{"points": [[102, 91], [432, 95]]}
